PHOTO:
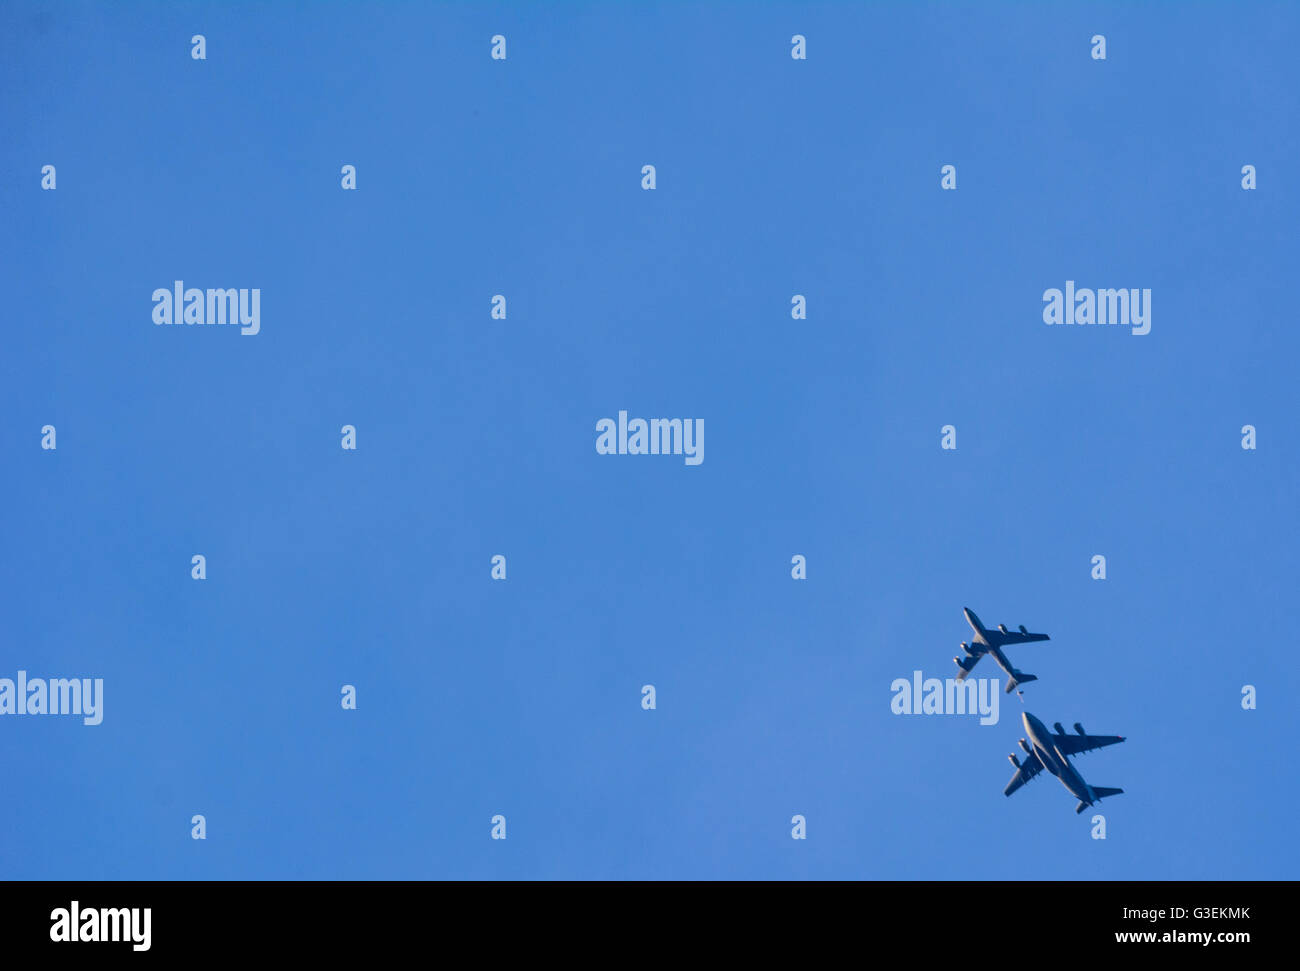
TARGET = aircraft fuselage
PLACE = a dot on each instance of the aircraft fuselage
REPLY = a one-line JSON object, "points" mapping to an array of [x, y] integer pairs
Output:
{"points": [[976, 626], [994, 650], [1054, 762]]}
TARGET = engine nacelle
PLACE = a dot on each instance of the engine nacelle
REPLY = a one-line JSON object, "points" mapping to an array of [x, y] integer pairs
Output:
{"points": [[1002, 627], [1079, 728], [1014, 761], [1025, 745], [1059, 729], [967, 648], [1022, 629]]}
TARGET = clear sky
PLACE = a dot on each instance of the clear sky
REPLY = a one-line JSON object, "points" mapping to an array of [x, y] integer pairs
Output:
{"points": [[476, 437]]}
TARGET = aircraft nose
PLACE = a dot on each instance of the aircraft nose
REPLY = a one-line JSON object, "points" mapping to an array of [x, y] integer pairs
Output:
{"points": [[1025, 719]]}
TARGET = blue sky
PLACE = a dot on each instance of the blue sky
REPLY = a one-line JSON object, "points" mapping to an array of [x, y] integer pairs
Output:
{"points": [[476, 437]]}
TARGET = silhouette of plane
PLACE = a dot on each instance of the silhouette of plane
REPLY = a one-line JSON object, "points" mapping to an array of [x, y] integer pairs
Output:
{"points": [[1052, 752], [991, 642]]}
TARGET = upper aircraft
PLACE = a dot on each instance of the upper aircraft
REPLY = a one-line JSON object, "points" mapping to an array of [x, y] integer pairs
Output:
{"points": [[1052, 752], [992, 642]]}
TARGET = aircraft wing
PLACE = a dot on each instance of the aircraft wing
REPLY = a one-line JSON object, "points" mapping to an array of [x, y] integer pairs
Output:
{"points": [[1029, 768], [1015, 637], [962, 672], [1077, 744]]}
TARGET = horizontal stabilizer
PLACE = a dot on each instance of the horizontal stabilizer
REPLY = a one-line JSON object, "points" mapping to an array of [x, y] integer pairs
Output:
{"points": [[1018, 679], [1101, 792]]}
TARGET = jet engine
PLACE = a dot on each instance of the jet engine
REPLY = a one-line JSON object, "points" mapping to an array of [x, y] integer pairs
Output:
{"points": [[1002, 627], [967, 648], [1022, 629], [1014, 761], [1079, 728], [1025, 745], [1059, 729]]}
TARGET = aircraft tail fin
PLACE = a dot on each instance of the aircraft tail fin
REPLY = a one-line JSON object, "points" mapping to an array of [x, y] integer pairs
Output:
{"points": [[1099, 792], [1018, 679]]}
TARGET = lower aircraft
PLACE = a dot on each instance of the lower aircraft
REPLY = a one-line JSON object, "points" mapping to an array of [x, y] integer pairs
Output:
{"points": [[1052, 752]]}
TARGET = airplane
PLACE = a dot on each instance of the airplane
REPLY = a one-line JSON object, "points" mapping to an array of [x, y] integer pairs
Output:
{"points": [[992, 642], [1052, 752]]}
